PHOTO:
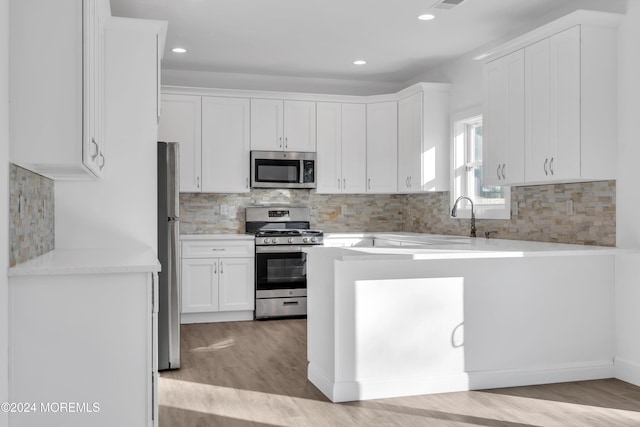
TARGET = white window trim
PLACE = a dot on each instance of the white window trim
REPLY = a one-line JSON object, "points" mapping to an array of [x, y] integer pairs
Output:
{"points": [[464, 208]]}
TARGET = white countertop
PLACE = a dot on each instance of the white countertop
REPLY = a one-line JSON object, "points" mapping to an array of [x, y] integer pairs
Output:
{"points": [[89, 261], [433, 246], [219, 236]]}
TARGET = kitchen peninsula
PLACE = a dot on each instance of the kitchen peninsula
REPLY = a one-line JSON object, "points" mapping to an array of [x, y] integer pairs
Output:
{"points": [[406, 313]]}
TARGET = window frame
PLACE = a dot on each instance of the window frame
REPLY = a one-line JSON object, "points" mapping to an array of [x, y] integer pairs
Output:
{"points": [[459, 176]]}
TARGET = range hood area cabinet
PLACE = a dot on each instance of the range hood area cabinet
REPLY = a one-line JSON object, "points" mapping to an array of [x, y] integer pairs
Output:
{"points": [[213, 136], [550, 104], [283, 125], [57, 87]]}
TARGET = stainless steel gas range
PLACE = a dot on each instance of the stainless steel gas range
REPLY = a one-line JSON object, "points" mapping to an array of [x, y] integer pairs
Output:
{"points": [[281, 266]]}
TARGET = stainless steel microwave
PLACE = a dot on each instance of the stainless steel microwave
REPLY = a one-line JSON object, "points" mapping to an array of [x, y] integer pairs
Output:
{"points": [[283, 169]]}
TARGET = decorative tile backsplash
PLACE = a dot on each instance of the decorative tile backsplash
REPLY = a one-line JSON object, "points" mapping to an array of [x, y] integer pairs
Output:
{"points": [[541, 213], [31, 215]]}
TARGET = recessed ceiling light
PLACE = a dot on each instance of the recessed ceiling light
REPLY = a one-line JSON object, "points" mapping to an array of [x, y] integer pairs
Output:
{"points": [[178, 50], [359, 62], [426, 17]]}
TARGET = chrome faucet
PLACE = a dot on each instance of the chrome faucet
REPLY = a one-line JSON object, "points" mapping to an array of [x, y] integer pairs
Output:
{"points": [[473, 217]]}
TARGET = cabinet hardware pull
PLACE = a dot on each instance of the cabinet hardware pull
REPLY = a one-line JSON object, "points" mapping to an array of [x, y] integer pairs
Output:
{"points": [[286, 142], [215, 268], [290, 303], [217, 249], [93, 141], [247, 182], [344, 183], [551, 166], [503, 176], [545, 166], [221, 267], [339, 188], [498, 172], [406, 182], [369, 183], [103, 160], [280, 142], [197, 182], [410, 184]]}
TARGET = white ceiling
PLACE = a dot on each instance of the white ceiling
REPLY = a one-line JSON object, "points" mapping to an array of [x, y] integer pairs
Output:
{"points": [[321, 38]]}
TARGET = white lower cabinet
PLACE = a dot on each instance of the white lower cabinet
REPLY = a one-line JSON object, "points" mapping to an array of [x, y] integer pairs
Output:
{"points": [[87, 341], [217, 280]]}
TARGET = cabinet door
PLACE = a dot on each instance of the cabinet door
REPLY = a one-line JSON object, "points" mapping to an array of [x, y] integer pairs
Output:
{"points": [[382, 147], [329, 155], [300, 126], [182, 122], [410, 144], [199, 284], [564, 50], [267, 124], [354, 148], [93, 56], [225, 145], [537, 111], [236, 291], [503, 121]]}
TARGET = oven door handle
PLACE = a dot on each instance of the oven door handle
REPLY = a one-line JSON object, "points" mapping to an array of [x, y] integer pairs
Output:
{"points": [[280, 249]]}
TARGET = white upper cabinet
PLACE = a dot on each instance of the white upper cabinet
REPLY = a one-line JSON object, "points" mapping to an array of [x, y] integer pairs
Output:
{"points": [[552, 87], [278, 125], [225, 144], [503, 121], [382, 147], [410, 144], [57, 82], [341, 133], [181, 122], [570, 103], [423, 140]]}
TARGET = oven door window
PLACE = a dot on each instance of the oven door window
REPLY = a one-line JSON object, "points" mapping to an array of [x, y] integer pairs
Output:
{"points": [[280, 171], [281, 270]]}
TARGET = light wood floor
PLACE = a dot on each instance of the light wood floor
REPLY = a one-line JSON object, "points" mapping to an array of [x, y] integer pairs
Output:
{"points": [[254, 374]]}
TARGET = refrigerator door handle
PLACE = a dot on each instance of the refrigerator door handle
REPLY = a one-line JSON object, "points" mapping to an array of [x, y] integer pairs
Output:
{"points": [[173, 174], [174, 294]]}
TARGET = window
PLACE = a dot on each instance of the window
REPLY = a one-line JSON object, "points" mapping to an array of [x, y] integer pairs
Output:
{"points": [[489, 201]]}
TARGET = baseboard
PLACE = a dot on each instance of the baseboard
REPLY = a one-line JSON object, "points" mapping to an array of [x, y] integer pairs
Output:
{"points": [[364, 390], [220, 316], [627, 371], [548, 375]]}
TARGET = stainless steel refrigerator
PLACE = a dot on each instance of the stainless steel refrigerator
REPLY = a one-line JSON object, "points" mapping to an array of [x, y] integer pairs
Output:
{"points": [[169, 256]]}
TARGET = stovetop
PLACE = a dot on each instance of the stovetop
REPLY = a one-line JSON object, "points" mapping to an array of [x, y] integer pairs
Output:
{"points": [[289, 237]]}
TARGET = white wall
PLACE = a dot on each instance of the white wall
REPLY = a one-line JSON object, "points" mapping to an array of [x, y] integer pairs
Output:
{"points": [[628, 199], [276, 83], [119, 210], [4, 202]]}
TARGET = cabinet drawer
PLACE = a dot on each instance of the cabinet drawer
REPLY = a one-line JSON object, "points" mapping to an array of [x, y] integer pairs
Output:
{"points": [[217, 249]]}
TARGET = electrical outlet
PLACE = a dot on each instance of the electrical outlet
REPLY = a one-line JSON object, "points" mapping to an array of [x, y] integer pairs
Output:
{"points": [[569, 207], [224, 210], [514, 208]]}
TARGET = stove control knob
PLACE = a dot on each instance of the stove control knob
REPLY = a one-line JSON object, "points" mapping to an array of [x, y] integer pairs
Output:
{"points": [[266, 240], [313, 239], [305, 239], [274, 240], [290, 240]]}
